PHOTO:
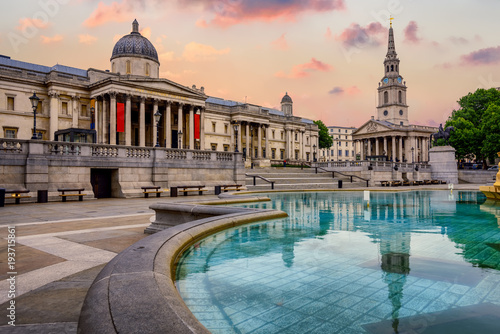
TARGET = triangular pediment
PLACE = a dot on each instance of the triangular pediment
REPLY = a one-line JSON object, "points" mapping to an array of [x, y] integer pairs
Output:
{"points": [[372, 126], [165, 86]]}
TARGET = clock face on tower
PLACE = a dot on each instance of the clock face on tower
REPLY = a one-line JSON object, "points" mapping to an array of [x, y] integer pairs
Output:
{"points": [[386, 80], [399, 79]]}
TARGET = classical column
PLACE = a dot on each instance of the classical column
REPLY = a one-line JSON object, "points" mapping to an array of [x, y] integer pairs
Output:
{"points": [[303, 145], [377, 144], [369, 153], [179, 125], [400, 155], [202, 130], [362, 143], [259, 138], [128, 120], [300, 144], [105, 124], [191, 127], [385, 146], [232, 140], [99, 124], [424, 149], [266, 144], [54, 114], [75, 101], [287, 144], [393, 149], [112, 118], [248, 140], [168, 124], [142, 122]]}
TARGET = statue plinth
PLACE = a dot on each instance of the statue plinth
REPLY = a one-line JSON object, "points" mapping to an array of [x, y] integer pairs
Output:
{"points": [[493, 192], [443, 164]]}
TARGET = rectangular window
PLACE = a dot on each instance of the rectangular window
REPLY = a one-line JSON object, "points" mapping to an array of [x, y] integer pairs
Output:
{"points": [[10, 133], [10, 103], [84, 111], [331, 153], [297, 155], [273, 153], [214, 147], [225, 128], [213, 126], [226, 148], [282, 154], [346, 153], [340, 153], [64, 108], [256, 151], [263, 152]]}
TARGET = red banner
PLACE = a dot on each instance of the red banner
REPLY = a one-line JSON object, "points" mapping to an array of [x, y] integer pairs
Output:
{"points": [[120, 117], [196, 126]]}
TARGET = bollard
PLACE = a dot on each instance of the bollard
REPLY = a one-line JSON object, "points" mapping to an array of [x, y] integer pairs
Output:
{"points": [[42, 196], [340, 184], [217, 190], [2, 197]]}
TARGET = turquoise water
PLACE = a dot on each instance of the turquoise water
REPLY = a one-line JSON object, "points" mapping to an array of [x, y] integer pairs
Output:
{"points": [[410, 262]]}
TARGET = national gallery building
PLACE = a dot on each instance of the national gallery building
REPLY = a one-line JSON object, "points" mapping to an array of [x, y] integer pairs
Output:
{"points": [[131, 106]]}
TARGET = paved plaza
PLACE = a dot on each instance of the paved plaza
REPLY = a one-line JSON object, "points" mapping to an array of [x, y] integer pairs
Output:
{"points": [[61, 247]]}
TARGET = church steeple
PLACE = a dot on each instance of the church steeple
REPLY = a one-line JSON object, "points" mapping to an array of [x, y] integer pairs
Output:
{"points": [[392, 89]]}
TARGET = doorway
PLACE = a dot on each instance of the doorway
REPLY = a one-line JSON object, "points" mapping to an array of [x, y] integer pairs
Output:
{"points": [[101, 182]]}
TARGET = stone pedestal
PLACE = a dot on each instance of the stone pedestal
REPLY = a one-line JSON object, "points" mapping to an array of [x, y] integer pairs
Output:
{"points": [[443, 164]]}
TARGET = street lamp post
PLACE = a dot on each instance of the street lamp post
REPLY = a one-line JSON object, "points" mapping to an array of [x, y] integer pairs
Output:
{"points": [[157, 117], [179, 138], [34, 104], [235, 127]]}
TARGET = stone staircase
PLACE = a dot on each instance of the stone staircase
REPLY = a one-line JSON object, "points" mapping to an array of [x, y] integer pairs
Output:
{"points": [[295, 178]]}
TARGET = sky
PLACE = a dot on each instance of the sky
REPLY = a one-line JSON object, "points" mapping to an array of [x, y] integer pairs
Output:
{"points": [[327, 54]]}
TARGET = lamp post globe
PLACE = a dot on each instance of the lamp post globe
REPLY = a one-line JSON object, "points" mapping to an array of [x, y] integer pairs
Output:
{"points": [[34, 104]]}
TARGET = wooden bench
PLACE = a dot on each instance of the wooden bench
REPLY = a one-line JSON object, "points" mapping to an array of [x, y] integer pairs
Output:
{"points": [[188, 189], [17, 194], [228, 187], [64, 190], [151, 190], [396, 183], [384, 183]]}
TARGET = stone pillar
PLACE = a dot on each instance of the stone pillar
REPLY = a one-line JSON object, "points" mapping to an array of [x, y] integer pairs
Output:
{"points": [[99, 124], [377, 142], [259, 138], [75, 109], [142, 122], [105, 113], [191, 127], [238, 139], [54, 114], [248, 140], [385, 146], [300, 145], [202, 130], [153, 123], [424, 147], [400, 155], [443, 164], [112, 118], [128, 120], [180, 125], [369, 152], [232, 140], [168, 124], [287, 144], [393, 149], [363, 157]]}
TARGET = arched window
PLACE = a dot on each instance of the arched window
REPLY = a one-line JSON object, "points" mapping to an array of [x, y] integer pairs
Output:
{"points": [[127, 67], [400, 97], [387, 68], [392, 68], [386, 97], [147, 69]]}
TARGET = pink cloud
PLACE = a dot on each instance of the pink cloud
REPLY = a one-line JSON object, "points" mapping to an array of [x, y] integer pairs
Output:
{"points": [[86, 39], [229, 12], [411, 31], [328, 33], [115, 12], [51, 40], [304, 70], [488, 56], [195, 52], [25, 23], [371, 35], [280, 43]]}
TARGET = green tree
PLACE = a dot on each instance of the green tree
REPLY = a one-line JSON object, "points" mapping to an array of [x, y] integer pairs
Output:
{"points": [[476, 124], [325, 140]]}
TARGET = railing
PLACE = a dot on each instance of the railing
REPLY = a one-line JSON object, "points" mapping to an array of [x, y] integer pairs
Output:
{"points": [[11, 145], [260, 177], [104, 151], [63, 149], [343, 174], [138, 153]]}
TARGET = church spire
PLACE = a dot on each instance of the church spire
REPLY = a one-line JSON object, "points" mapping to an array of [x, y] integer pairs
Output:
{"points": [[391, 47]]}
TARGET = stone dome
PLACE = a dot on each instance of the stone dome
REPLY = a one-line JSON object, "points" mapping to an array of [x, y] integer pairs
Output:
{"points": [[135, 45], [286, 99]]}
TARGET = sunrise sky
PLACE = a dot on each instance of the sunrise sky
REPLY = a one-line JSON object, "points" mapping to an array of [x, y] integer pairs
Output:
{"points": [[327, 54]]}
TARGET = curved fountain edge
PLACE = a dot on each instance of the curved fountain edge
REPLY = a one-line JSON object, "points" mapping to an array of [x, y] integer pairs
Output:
{"points": [[135, 292]]}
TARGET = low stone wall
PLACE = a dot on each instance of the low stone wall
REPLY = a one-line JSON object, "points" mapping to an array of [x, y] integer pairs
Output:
{"points": [[46, 165], [477, 176], [135, 292]]}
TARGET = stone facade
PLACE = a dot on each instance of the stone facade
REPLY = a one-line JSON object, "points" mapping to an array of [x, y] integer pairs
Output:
{"points": [[93, 99], [342, 148]]}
